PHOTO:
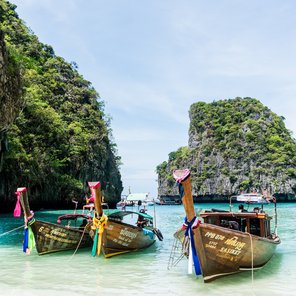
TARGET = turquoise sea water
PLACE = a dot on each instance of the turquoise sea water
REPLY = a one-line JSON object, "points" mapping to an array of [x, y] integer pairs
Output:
{"points": [[139, 273]]}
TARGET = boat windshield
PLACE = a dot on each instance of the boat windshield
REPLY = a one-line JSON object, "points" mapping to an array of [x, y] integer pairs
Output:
{"points": [[256, 222]]}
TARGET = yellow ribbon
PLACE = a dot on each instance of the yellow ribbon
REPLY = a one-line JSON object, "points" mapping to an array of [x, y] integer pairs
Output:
{"points": [[100, 225]]}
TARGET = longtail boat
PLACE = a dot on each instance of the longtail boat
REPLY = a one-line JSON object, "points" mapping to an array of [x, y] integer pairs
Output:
{"points": [[52, 237], [226, 242], [114, 233]]}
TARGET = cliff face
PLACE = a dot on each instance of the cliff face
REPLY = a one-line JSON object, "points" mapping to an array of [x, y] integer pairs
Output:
{"points": [[10, 95], [234, 145], [55, 136]]}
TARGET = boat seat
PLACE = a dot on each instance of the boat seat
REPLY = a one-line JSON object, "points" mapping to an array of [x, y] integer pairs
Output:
{"points": [[218, 210], [230, 224]]}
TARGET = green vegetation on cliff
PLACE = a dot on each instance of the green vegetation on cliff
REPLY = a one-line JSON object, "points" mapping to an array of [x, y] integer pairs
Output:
{"points": [[61, 137], [234, 145]]}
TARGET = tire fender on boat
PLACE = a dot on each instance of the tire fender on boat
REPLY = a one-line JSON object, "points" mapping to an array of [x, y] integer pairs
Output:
{"points": [[158, 234]]}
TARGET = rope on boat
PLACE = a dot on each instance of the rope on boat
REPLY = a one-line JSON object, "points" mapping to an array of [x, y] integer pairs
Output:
{"points": [[11, 230], [78, 245], [252, 257], [98, 226]]}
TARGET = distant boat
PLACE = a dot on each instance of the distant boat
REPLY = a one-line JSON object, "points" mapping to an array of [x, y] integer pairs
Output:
{"points": [[135, 199], [54, 237], [254, 197], [114, 234], [168, 201], [225, 242]]}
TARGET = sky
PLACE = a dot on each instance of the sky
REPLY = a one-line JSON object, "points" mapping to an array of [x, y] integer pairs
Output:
{"points": [[150, 60]]}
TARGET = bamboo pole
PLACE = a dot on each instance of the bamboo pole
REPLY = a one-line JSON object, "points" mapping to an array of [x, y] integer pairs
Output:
{"points": [[187, 199], [183, 177]]}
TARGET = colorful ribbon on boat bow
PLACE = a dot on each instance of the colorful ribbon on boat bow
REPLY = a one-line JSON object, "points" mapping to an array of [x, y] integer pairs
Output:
{"points": [[29, 239], [98, 226], [17, 209], [189, 226]]}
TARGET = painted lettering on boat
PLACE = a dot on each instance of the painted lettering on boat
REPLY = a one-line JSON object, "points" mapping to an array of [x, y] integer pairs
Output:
{"points": [[128, 233], [122, 241], [215, 236], [233, 245], [125, 241], [211, 245], [59, 239], [230, 251], [125, 237], [56, 235], [234, 242]]}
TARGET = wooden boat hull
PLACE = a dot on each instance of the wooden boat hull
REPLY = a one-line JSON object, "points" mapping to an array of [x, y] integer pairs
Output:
{"points": [[116, 233], [119, 238], [50, 237], [222, 251]]}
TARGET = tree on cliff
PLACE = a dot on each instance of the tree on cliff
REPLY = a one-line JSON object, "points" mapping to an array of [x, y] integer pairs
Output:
{"points": [[10, 95]]}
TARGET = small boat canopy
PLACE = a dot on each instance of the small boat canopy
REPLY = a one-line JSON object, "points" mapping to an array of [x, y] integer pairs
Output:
{"points": [[121, 214], [72, 217], [251, 198], [137, 196]]}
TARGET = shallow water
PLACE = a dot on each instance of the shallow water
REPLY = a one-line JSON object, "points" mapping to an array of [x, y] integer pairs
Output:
{"points": [[139, 273]]}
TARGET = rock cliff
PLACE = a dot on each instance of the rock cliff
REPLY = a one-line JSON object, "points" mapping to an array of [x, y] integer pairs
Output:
{"points": [[234, 145], [54, 134]]}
